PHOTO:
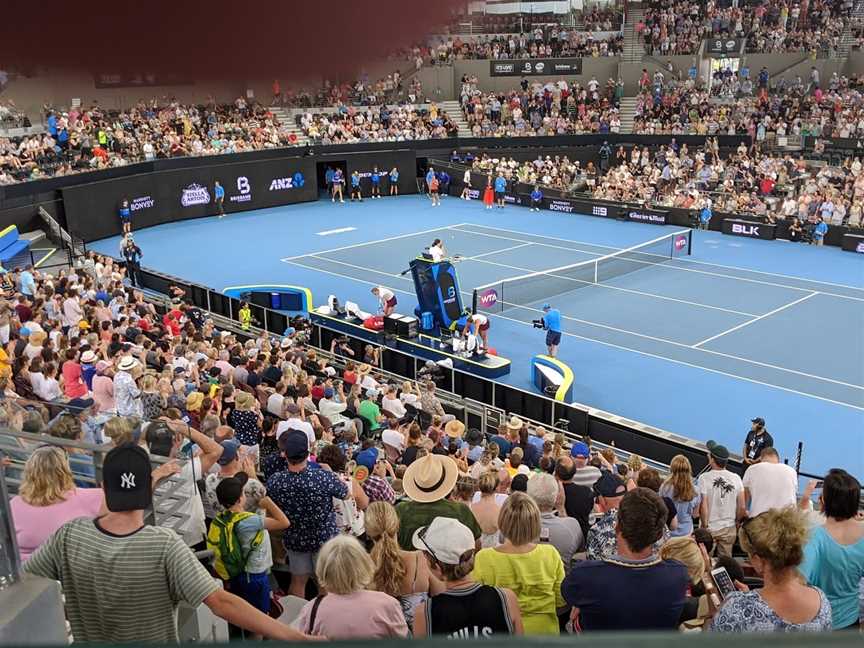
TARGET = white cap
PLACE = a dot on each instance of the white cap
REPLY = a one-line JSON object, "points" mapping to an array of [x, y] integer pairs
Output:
{"points": [[446, 539]]}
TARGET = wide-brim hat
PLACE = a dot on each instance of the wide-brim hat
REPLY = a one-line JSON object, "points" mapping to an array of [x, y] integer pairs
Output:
{"points": [[128, 363], [515, 423], [454, 429], [430, 478]]}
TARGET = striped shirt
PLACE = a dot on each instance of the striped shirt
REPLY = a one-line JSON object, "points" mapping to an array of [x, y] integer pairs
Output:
{"points": [[122, 588]]}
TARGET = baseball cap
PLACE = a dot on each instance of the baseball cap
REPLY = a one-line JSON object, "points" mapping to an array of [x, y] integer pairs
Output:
{"points": [[610, 485], [328, 392], [547, 306], [446, 539], [580, 449], [23, 331], [160, 438], [519, 483], [368, 458], [294, 443], [126, 479], [758, 421], [371, 393], [718, 451], [230, 449]]}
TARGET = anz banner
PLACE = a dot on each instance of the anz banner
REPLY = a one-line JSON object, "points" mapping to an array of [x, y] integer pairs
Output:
{"points": [[166, 196]]}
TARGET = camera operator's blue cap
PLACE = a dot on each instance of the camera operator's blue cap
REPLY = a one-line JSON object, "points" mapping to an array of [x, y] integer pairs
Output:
{"points": [[546, 306]]}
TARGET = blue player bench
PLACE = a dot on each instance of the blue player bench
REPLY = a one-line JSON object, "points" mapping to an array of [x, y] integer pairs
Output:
{"points": [[11, 244]]}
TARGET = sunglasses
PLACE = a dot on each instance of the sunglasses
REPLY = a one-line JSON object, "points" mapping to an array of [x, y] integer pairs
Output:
{"points": [[422, 537]]}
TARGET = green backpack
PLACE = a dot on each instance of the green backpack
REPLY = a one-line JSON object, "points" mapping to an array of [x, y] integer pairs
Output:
{"points": [[223, 541]]}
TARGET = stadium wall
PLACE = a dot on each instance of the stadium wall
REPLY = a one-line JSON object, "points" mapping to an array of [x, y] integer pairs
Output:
{"points": [[180, 188]]}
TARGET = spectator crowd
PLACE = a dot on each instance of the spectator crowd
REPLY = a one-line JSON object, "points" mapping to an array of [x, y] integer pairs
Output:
{"points": [[365, 499], [85, 139], [349, 124], [553, 108]]}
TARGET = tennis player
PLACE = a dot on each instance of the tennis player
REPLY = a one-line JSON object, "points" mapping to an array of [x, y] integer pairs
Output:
{"points": [[386, 298], [466, 189], [477, 324], [552, 326], [434, 193]]}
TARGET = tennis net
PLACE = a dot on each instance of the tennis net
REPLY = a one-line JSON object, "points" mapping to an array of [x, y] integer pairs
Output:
{"points": [[526, 290]]}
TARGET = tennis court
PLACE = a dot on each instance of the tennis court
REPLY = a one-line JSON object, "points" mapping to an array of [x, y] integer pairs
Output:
{"points": [[648, 300], [695, 345]]}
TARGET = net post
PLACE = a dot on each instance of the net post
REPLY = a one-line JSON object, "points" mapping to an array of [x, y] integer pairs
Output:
{"points": [[690, 243], [474, 301], [798, 452], [596, 272]]}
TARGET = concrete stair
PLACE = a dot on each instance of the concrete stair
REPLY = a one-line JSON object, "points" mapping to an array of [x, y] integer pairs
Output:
{"points": [[633, 48], [856, 20], [627, 112], [454, 112], [288, 119]]}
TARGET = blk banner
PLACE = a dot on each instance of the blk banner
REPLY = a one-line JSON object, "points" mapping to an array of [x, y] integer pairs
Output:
{"points": [[749, 229], [535, 67]]}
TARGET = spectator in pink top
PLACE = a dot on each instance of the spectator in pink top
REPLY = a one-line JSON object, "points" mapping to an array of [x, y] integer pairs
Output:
{"points": [[73, 381], [103, 388], [48, 499], [350, 610]]}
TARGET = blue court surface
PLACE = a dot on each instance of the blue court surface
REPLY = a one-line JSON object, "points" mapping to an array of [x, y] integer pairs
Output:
{"points": [[695, 345]]}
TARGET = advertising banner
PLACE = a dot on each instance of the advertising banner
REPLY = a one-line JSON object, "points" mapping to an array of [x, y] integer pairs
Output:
{"points": [[749, 229], [535, 67], [162, 197]]}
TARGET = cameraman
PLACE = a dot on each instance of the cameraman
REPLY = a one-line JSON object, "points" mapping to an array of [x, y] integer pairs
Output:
{"points": [[551, 323], [341, 346]]}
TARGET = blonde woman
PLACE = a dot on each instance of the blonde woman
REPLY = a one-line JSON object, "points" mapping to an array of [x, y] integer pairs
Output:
{"points": [[534, 571], [679, 487], [634, 467], [774, 542], [488, 461], [349, 610], [487, 509], [152, 402], [404, 575], [48, 498]]}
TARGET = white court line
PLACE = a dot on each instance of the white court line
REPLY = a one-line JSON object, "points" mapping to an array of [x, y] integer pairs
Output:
{"points": [[772, 274], [628, 290], [339, 230], [557, 247], [673, 266], [754, 320], [507, 249], [611, 345], [367, 243], [603, 326]]}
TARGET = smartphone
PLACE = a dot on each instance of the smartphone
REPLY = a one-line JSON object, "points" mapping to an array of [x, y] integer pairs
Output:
{"points": [[723, 582], [819, 484]]}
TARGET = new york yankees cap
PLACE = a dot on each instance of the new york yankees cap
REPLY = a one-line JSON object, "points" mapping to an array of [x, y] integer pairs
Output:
{"points": [[126, 479]]}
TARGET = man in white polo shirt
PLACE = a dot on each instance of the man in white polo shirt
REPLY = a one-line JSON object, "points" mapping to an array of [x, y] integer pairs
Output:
{"points": [[770, 484]]}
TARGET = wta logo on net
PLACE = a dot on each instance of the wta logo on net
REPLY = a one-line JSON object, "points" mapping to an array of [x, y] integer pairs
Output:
{"points": [[488, 298]]}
